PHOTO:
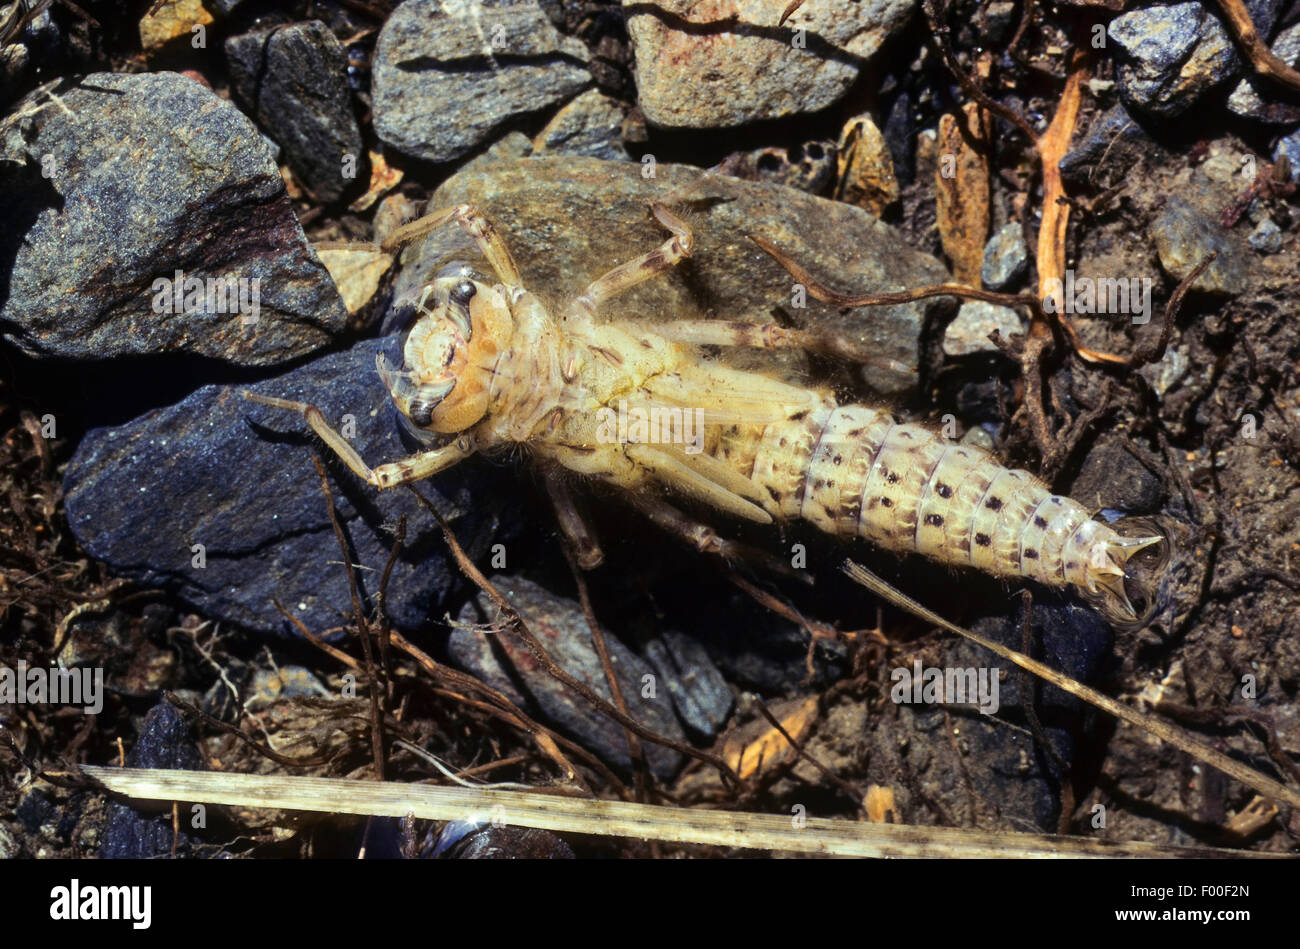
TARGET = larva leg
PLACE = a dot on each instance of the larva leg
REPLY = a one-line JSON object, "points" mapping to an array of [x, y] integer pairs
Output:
{"points": [[772, 336], [416, 468], [573, 525], [477, 225], [704, 538], [673, 472], [622, 278]]}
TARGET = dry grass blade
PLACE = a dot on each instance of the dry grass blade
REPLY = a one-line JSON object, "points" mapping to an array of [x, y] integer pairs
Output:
{"points": [[1161, 729], [610, 818]]}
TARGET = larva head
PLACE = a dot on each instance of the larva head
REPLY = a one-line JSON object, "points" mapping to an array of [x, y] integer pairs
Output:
{"points": [[462, 328], [1125, 565]]}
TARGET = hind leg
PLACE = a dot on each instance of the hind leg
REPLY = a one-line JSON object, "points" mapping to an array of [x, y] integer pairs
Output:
{"points": [[573, 524]]}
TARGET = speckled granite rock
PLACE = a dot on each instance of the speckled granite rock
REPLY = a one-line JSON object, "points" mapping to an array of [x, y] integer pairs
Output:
{"points": [[723, 63], [144, 176], [447, 75]]}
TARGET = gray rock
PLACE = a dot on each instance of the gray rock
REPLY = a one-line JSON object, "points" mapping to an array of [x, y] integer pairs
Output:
{"points": [[719, 66], [568, 220], [1289, 147], [1184, 236], [294, 78], [146, 175], [1112, 477], [237, 477], [448, 75], [590, 125], [1113, 145], [1255, 97], [1169, 56], [969, 332], [1169, 371], [699, 692], [1006, 258], [503, 662], [1266, 238]]}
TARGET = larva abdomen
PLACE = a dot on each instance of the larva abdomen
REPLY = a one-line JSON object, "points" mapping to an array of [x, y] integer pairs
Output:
{"points": [[857, 472]]}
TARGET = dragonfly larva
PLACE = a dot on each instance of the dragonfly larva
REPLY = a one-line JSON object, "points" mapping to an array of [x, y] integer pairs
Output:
{"points": [[487, 366]]}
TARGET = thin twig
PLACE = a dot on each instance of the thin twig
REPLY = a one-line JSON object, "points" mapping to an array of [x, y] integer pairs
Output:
{"points": [[1161, 729], [363, 628], [534, 646]]}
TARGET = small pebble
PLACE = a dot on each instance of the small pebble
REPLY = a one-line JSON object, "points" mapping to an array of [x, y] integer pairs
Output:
{"points": [[1289, 147], [1266, 238], [969, 332], [1006, 258], [1185, 235]]}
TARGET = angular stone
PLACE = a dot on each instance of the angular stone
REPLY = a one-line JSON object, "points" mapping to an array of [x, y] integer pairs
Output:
{"points": [[294, 78], [723, 63], [700, 693], [568, 220], [1256, 97], [1289, 147], [165, 741], [173, 19], [1169, 56], [447, 74], [866, 167], [236, 477], [146, 175], [1266, 238], [1113, 144], [503, 662]]}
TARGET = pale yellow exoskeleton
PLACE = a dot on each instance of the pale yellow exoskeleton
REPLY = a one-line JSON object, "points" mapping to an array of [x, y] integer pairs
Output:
{"points": [[487, 366]]}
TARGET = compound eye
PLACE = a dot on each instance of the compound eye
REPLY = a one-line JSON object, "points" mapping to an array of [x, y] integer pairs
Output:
{"points": [[422, 414], [463, 292]]}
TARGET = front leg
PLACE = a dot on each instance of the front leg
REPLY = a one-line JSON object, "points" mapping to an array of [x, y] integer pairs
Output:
{"points": [[638, 270], [423, 465], [478, 226]]}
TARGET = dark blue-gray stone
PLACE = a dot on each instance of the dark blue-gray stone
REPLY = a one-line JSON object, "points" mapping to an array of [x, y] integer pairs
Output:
{"points": [[699, 692], [294, 79], [236, 477], [502, 661]]}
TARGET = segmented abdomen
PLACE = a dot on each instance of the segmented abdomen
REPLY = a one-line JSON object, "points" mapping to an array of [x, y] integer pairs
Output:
{"points": [[855, 471]]}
